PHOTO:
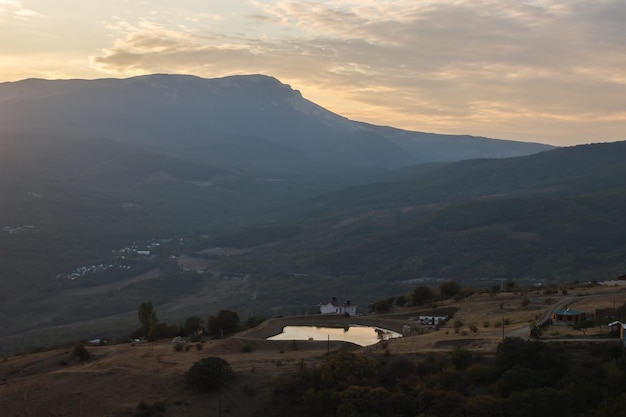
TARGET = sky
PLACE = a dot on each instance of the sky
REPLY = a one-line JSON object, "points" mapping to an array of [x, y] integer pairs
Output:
{"points": [[549, 71]]}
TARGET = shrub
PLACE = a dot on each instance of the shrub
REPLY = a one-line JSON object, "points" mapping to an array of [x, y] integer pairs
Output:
{"points": [[178, 347], [81, 352], [156, 409], [457, 325], [449, 289], [209, 373], [461, 358]]}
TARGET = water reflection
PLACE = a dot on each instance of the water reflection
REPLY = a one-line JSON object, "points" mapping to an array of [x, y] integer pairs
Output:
{"points": [[360, 335]]}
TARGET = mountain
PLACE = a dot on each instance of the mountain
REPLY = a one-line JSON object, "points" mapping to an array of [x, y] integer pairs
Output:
{"points": [[553, 216], [249, 122], [119, 191]]}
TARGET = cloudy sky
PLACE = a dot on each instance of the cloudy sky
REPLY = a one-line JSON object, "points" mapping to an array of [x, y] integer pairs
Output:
{"points": [[551, 71]]}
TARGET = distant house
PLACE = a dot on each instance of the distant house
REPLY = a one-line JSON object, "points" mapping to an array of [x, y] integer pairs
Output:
{"points": [[567, 316], [338, 306], [433, 320]]}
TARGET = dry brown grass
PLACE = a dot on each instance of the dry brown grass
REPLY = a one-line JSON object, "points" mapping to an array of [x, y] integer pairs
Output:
{"points": [[117, 378]]}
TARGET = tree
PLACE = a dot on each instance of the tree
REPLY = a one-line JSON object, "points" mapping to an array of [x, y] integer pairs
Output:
{"points": [[461, 358], [383, 306], [518, 378], [192, 325], [163, 331], [226, 322], [346, 369], [449, 289], [209, 373], [364, 401], [421, 295], [441, 403], [584, 325], [484, 406], [147, 317], [401, 300]]}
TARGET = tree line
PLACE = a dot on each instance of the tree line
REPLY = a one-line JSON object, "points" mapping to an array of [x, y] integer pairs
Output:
{"points": [[222, 324], [525, 379]]}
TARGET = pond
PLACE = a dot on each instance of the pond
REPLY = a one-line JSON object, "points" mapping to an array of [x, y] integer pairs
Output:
{"points": [[360, 335]]}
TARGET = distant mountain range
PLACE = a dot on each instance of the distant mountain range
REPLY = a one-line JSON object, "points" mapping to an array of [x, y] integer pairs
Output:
{"points": [[249, 122]]}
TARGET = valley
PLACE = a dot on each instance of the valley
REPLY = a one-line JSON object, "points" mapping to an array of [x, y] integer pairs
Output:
{"points": [[195, 211]]}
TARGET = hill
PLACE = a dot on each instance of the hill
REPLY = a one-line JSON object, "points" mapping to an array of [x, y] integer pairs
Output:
{"points": [[550, 216], [117, 378]]}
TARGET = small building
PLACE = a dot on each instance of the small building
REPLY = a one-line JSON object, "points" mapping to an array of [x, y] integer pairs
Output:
{"points": [[618, 326], [338, 306], [433, 320], [567, 316]]}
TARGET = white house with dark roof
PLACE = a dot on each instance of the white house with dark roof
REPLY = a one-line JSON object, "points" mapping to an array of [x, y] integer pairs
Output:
{"points": [[338, 306]]}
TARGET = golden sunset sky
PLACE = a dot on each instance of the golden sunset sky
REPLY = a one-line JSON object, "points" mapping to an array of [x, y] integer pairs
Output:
{"points": [[550, 71]]}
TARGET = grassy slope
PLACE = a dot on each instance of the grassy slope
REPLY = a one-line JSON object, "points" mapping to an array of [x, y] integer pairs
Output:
{"points": [[118, 377]]}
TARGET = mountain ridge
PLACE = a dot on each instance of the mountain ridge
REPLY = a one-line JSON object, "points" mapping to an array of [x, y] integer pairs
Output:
{"points": [[171, 112]]}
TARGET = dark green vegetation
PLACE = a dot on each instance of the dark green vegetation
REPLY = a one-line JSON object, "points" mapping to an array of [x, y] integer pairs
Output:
{"points": [[209, 373], [81, 352], [525, 379]]}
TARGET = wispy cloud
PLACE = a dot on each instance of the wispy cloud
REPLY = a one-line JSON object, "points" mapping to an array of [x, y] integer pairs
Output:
{"points": [[15, 9], [517, 69]]}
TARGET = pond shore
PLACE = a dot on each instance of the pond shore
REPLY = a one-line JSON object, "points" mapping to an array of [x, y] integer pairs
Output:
{"points": [[275, 326]]}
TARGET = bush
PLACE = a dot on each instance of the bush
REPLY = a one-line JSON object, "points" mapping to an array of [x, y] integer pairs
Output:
{"points": [[449, 289], [156, 409], [209, 373], [81, 352]]}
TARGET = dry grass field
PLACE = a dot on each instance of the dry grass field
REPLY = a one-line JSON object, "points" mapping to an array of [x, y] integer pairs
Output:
{"points": [[117, 377]]}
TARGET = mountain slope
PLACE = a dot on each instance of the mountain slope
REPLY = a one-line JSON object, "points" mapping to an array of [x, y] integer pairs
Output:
{"points": [[221, 120], [555, 215]]}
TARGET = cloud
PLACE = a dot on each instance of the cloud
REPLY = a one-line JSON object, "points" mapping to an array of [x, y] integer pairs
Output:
{"points": [[13, 8], [512, 68]]}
